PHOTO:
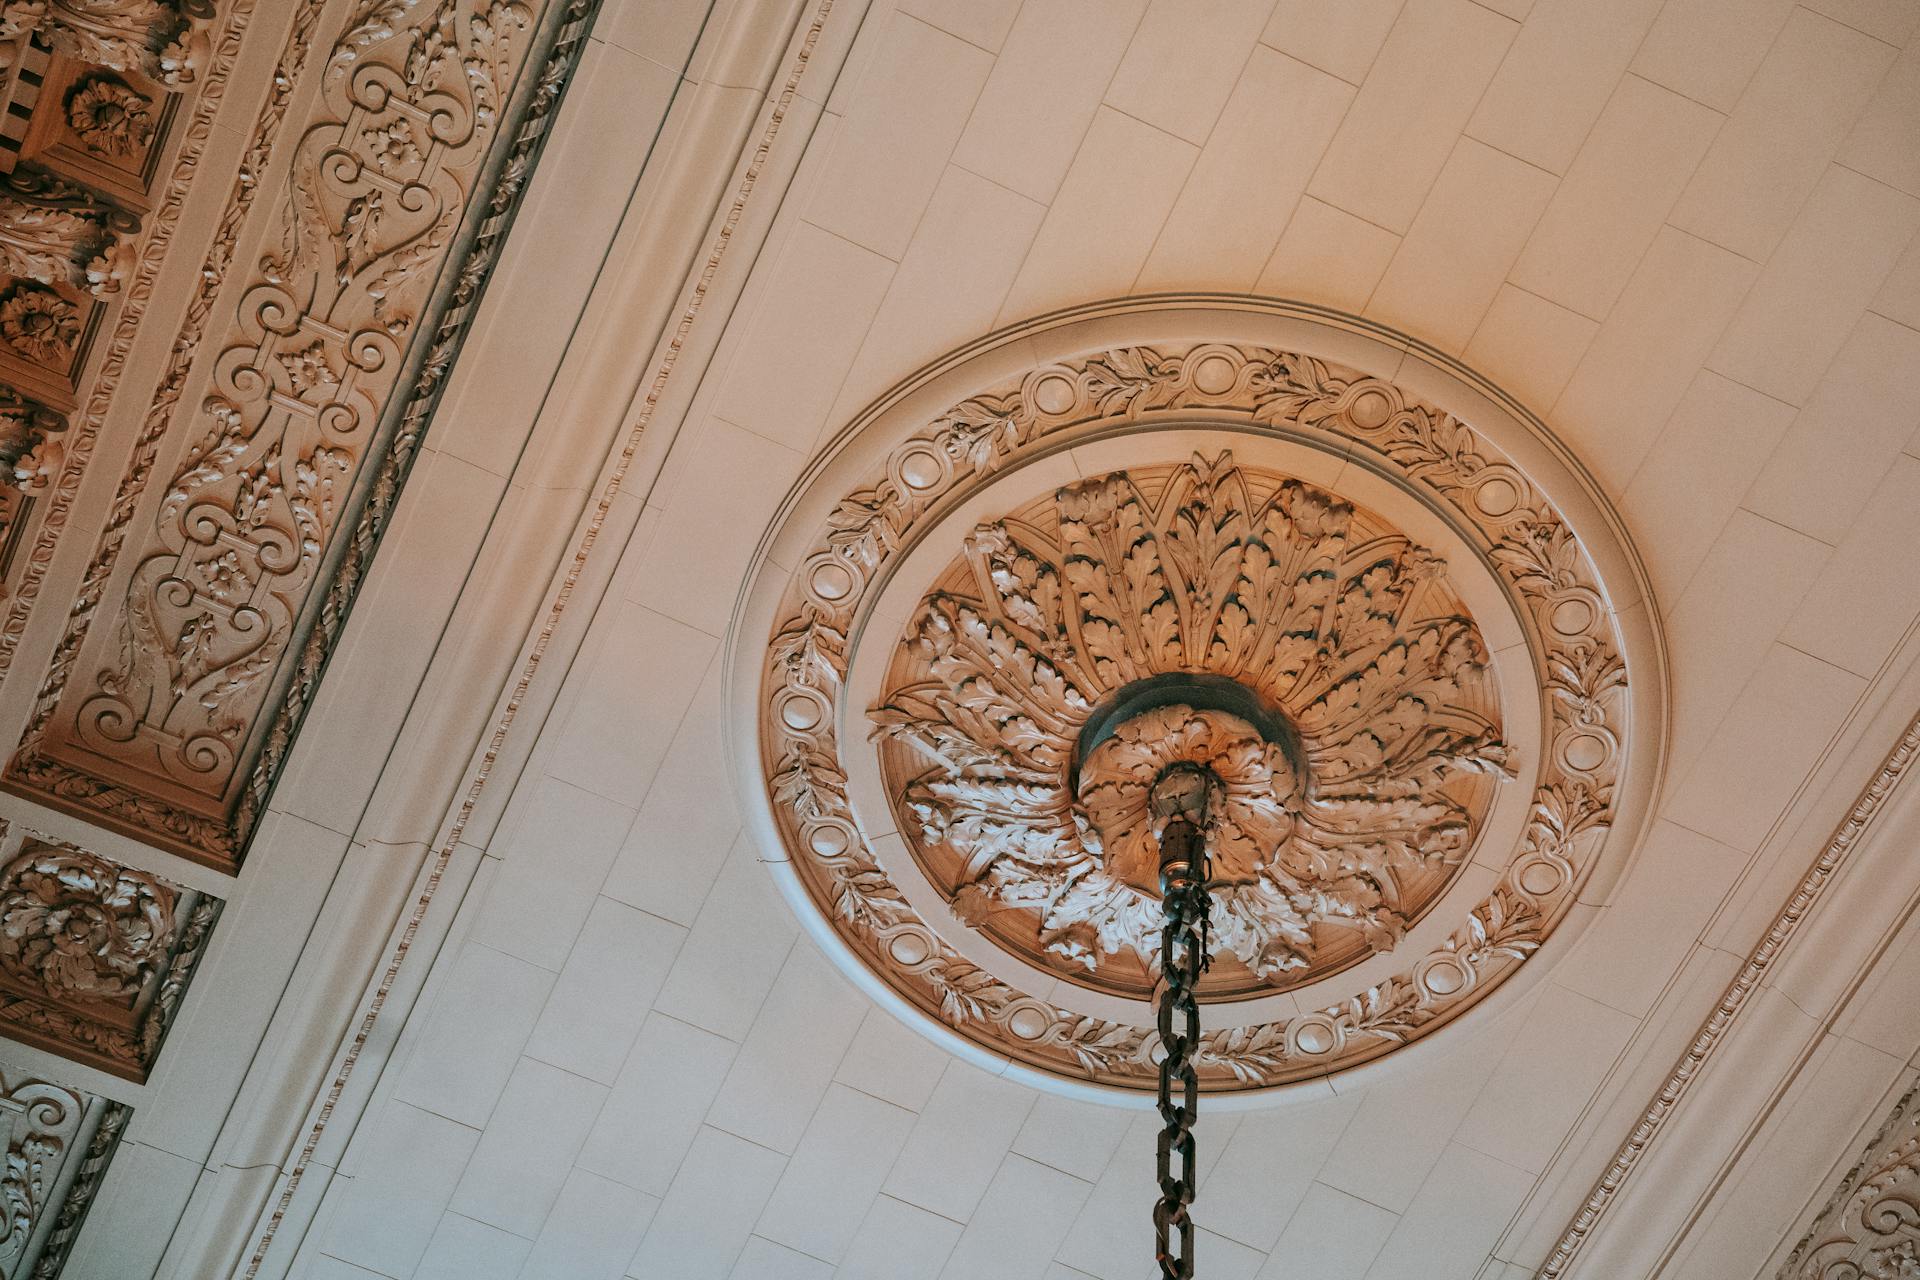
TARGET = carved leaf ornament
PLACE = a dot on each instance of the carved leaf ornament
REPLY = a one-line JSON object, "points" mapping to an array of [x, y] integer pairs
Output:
{"points": [[81, 926], [1870, 1228], [1350, 631], [42, 1122], [160, 732], [1330, 847]]}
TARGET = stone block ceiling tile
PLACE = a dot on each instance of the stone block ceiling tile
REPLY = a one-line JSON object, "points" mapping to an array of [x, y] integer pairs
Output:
{"points": [[1327, 255], [1529, 345], [899, 132], [1403, 124], [265, 472], [1460, 248], [1341, 37], [1615, 196], [899, 1241], [1341, 1233], [1183, 61], [1427, 737], [1777, 142], [94, 955], [1708, 50], [1555, 80], [1043, 91], [1106, 217], [59, 1143], [1248, 178]]}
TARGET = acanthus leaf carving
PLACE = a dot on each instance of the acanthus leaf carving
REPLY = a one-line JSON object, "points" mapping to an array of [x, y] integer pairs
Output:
{"points": [[95, 955], [1342, 625], [54, 233], [30, 449], [166, 39], [81, 927]]}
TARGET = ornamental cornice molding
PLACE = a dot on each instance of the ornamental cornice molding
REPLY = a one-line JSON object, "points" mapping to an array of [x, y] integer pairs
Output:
{"points": [[1713, 1033], [214, 598], [1095, 380]]}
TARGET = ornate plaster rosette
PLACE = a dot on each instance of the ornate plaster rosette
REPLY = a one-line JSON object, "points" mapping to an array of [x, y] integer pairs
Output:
{"points": [[1415, 593]]}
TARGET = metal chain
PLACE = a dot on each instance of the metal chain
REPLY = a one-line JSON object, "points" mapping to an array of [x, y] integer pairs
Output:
{"points": [[1183, 958]]}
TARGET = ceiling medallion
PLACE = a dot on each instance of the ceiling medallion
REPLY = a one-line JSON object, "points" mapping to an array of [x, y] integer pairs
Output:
{"points": [[1360, 594]]}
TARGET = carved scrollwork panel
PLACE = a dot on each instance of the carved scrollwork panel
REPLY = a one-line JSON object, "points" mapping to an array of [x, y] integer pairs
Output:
{"points": [[1870, 1228], [164, 729]]}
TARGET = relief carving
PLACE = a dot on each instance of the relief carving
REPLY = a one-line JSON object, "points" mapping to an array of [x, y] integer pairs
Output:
{"points": [[52, 1254], [30, 450], [110, 117], [1535, 554], [55, 233], [161, 729], [1343, 624], [166, 39], [43, 1121], [95, 955], [1870, 1228], [40, 325], [80, 926]]}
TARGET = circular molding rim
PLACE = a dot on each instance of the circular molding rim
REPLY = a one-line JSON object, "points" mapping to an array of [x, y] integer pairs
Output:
{"points": [[1320, 332]]}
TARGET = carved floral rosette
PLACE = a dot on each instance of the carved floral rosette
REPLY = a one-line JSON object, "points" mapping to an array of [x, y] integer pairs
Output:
{"points": [[95, 956], [1588, 785]]}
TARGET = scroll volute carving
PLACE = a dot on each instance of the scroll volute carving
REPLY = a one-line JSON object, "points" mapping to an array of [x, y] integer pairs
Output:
{"points": [[1870, 1228], [162, 729], [42, 1123]]}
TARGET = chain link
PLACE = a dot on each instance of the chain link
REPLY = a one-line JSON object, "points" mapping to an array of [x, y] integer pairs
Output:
{"points": [[1183, 958]]}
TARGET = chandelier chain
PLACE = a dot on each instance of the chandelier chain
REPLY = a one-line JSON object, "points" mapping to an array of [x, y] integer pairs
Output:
{"points": [[1183, 959]]}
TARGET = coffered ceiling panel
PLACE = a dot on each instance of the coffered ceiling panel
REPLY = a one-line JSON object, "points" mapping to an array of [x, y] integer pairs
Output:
{"points": [[342, 267]]}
